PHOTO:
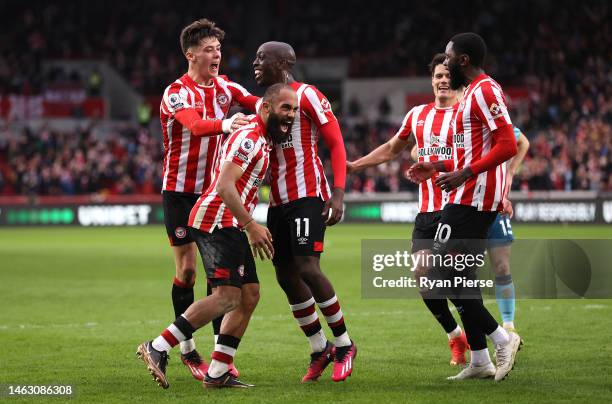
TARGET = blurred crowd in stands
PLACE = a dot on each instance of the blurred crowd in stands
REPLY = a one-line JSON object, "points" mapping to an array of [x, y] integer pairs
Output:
{"points": [[559, 51]]}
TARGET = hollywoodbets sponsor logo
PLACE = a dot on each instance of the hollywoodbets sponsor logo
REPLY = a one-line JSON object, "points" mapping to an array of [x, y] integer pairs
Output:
{"points": [[440, 151]]}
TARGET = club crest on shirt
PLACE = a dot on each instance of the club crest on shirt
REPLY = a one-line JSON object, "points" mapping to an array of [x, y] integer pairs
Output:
{"points": [[222, 99], [496, 110], [180, 232], [325, 104]]}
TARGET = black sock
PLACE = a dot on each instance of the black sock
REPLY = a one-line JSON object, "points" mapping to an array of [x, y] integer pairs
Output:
{"points": [[477, 321], [182, 297], [184, 327], [439, 309]]}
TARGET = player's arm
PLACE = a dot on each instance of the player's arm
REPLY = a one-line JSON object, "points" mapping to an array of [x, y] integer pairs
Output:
{"points": [[503, 149], [490, 109], [522, 145], [318, 109], [383, 153], [179, 103], [192, 120], [259, 236], [241, 95], [332, 136]]}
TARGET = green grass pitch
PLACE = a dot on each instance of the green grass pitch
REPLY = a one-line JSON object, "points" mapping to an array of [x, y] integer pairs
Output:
{"points": [[77, 301]]}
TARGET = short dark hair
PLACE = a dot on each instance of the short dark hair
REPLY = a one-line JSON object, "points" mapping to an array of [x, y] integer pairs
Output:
{"points": [[472, 45], [438, 59], [273, 91], [192, 34]]}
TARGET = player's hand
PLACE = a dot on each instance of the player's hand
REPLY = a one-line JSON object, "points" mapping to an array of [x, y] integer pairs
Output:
{"points": [[240, 120], [420, 172], [260, 240], [234, 122], [450, 181], [350, 167], [507, 208], [336, 205]]}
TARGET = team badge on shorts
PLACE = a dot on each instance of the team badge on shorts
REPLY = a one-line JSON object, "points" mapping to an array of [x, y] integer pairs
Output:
{"points": [[222, 100], [241, 270], [180, 232]]}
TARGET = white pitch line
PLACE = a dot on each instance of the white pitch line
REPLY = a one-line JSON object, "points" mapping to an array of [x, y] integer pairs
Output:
{"points": [[274, 317]]}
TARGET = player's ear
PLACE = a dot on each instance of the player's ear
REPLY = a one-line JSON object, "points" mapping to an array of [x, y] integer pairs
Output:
{"points": [[464, 60], [189, 55]]}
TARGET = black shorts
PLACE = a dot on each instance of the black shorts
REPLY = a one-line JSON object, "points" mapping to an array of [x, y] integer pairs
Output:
{"points": [[226, 255], [461, 234], [297, 228], [462, 229], [177, 206], [425, 226]]}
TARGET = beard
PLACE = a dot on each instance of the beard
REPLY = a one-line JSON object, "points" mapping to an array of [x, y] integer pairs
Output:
{"points": [[457, 78], [274, 128]]}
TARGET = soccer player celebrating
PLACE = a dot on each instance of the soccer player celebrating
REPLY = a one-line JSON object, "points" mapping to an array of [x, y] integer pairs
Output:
{"points": [[193, 118], [429, 126], [222, 226], [483, 140], [500, 238], [301, 205]]}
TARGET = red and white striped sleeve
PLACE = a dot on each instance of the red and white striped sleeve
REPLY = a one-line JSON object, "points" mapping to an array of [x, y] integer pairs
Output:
{"points": [[316, 106], [406, 129], [244, 147], [241, 96], [489, 105], [176, 98]]}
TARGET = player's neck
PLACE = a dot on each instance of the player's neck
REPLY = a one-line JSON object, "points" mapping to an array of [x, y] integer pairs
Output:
{"points": [[472, 73], [198, 78], [288, 78], [445, 102]]}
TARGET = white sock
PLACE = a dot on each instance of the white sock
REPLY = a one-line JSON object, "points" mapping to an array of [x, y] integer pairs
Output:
{"points": [[500, 336], [509, 325], [187, 346], [217, 368], [317, 341], [455, 333], [160, 344], [343, 339], [480, 357]]}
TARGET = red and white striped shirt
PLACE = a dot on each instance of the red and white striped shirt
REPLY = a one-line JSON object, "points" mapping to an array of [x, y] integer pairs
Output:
{"points": [[249, 148], [296, 170], [189, 161], [481, 111], [432, 129]]}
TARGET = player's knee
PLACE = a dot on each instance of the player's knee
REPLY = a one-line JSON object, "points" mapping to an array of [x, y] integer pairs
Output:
{"points": [[250, 299], [229, 297], [187, 275], [285, 278], [502, 267]]}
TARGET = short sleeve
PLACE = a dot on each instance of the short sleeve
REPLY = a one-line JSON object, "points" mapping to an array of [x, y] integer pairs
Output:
{"points": [[176, 98], [406, 129], [316, 106], [489, 106], [243, 149]]}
